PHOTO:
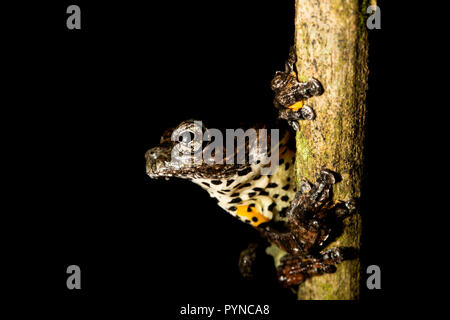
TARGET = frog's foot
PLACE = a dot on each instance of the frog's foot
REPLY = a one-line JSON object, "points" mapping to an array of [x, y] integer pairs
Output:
{"points": [[254, 263], [290, 93], [294, 270], [247, 259], [295, 110]]}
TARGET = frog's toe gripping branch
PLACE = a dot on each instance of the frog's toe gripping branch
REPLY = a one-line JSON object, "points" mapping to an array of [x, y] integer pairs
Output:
{"points": [[292, 117], [313, 88], [290, 62], [304, 113], [344, 209], [294, 270]]}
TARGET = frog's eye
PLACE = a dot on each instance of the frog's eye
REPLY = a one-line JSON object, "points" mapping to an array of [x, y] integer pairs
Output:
{"points": [[186, 136], [189, 137]]}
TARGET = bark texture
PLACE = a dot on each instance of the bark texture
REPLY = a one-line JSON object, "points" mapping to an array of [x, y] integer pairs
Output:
{"points": [[331, 43]]}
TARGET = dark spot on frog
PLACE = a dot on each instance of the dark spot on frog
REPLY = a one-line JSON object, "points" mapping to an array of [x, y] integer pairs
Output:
{"points": [[236, 200]]}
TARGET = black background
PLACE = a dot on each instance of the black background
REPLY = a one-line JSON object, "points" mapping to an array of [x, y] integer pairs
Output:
{"points": [[97, 98]]}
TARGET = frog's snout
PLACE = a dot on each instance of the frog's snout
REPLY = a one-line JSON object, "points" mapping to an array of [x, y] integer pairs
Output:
{"points": [[156, 159]]}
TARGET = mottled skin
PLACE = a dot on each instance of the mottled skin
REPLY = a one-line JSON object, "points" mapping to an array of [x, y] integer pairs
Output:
{"points": [[298, 221]]}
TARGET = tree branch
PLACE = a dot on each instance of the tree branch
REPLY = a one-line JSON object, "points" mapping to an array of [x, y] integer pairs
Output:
{"points": [[331, 43]]}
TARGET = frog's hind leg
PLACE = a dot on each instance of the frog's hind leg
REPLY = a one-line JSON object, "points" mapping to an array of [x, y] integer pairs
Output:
{"points": [[294, 270], [247, 260], [254, 263]]}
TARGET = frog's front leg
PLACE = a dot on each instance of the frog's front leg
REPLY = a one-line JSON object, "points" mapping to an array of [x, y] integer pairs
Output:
{"points": [[290, 93]]}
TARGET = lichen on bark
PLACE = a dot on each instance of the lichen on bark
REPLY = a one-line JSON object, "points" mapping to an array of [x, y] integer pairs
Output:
{"points": [[331, 44]]}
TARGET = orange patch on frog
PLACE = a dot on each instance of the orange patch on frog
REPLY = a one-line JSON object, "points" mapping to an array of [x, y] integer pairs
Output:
{"points": [[296, 106], [251, 214]]}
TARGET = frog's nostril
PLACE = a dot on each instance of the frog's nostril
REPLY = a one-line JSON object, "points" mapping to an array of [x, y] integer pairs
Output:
{"points": [[155, 161], [153, 153]]}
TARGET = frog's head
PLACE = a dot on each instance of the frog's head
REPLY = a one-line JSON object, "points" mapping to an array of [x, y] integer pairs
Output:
{"points": [[183, 152], [191, 151], [160, 161]]}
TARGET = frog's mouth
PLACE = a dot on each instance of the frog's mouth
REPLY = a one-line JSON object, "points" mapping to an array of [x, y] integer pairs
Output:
{"points": [[156, 162], [159, 164]]}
